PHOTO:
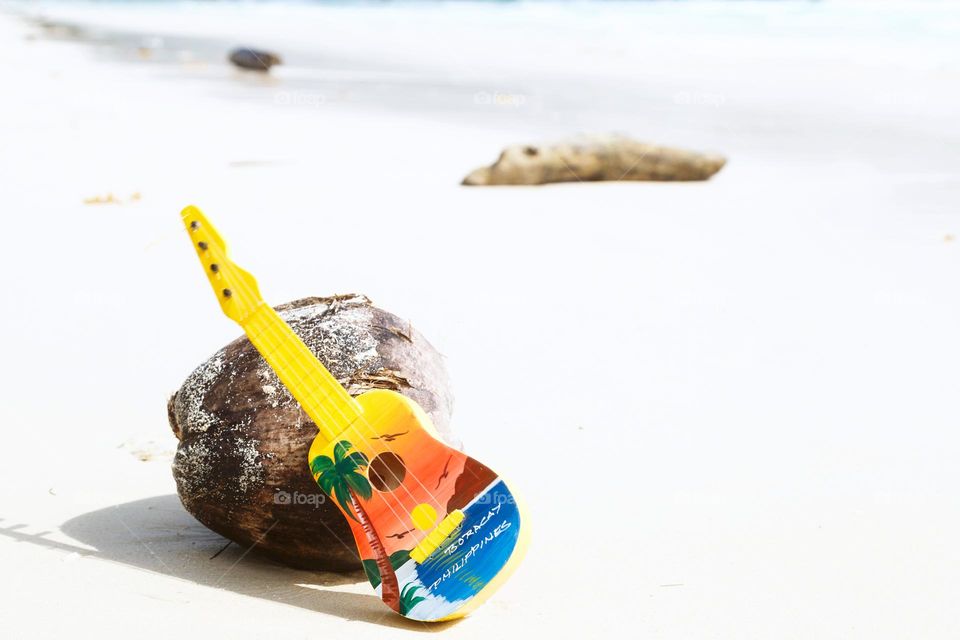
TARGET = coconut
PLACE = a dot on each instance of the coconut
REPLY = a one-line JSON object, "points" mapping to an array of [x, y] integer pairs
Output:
{"points": [[241, 463]]}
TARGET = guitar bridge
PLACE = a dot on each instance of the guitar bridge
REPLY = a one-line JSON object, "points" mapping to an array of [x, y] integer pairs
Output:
{"points": [[433, 539]]}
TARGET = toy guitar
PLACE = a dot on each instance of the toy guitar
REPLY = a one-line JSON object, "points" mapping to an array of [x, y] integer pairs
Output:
{"points": [[437, 531]]}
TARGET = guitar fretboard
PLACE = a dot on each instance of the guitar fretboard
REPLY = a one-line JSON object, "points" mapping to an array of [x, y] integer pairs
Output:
{"points": [[320, 394]]}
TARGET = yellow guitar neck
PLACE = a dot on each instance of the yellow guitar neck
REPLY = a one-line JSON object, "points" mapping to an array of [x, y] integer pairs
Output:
{"points": [[323, 398]]}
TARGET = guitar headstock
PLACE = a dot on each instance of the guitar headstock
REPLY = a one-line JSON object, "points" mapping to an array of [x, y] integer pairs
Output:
{"points": [[236, 289]]}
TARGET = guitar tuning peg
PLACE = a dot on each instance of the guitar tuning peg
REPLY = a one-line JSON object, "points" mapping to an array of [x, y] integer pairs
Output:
{"points": [[203, 245], [194, 225]]}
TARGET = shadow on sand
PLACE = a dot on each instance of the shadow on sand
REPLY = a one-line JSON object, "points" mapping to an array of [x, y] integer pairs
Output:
{"points": [[158, 535]]}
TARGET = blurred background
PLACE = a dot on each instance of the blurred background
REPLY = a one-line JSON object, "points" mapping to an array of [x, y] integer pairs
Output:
{"points": [[731, 403]]}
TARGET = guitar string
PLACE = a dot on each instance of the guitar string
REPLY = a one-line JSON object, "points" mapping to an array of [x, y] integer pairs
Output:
{"points": [[276, 324], [250, 299], [342, 542], [255, 300], [272, 330], [349, 401], [360, 415], [311, 397], [386, 501]]}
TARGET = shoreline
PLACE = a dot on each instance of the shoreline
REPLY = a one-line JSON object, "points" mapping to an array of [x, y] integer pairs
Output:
{"points": [[700, 99]]}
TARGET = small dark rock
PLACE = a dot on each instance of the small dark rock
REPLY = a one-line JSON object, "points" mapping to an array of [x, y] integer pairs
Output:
{"points": [[254, 59]]}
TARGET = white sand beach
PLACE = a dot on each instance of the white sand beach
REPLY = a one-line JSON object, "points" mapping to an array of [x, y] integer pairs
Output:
{"points": [[731, 405]]}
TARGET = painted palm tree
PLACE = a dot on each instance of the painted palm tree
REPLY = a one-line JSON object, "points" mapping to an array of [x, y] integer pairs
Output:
{"points": [[343, 479]]}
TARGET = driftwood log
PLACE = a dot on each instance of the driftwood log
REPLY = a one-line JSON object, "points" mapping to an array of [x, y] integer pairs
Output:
{"points": [[241, 463], [590, 159]]}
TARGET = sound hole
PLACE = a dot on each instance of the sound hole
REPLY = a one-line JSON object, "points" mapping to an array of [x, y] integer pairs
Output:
{"points": [[386, 471]]}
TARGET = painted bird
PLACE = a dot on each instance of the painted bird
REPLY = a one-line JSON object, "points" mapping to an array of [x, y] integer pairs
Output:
{"points": [[390, 437], [446, 472]]}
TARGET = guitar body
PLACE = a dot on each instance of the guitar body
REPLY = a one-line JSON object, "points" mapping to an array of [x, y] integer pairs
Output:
{"points": [[437, 531]]}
